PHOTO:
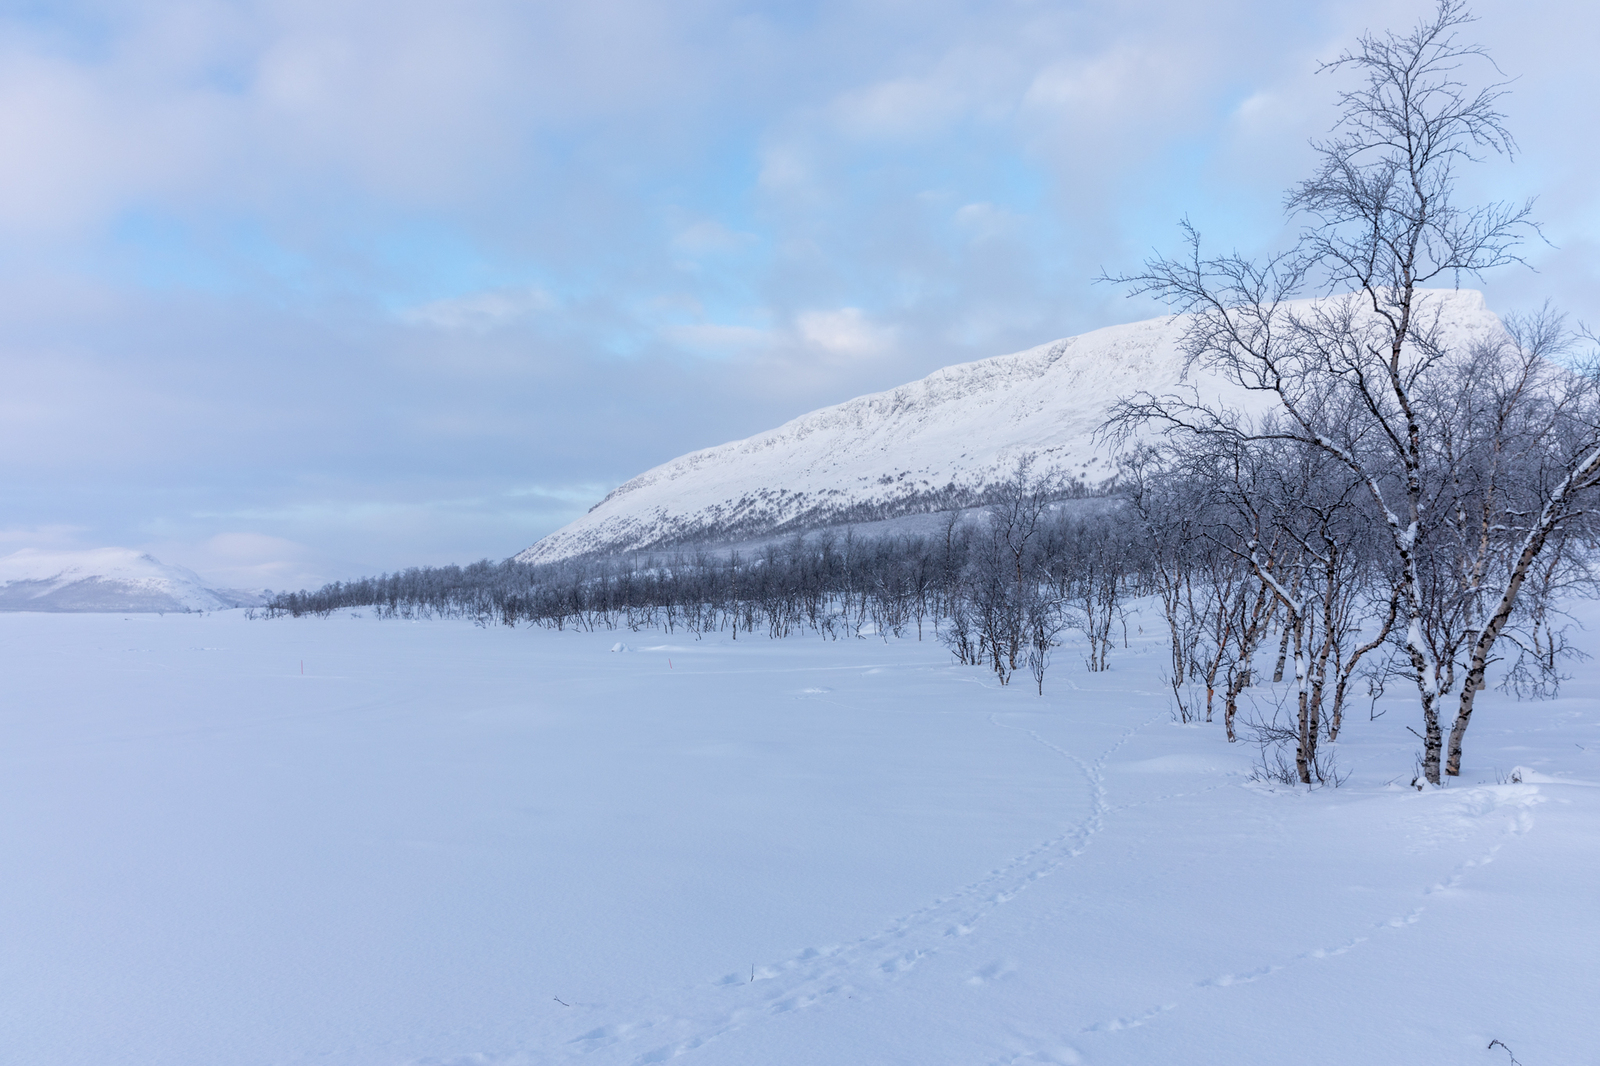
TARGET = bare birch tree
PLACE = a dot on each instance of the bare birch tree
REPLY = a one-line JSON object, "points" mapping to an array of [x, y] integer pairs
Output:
{"points": [[1364, 373]]}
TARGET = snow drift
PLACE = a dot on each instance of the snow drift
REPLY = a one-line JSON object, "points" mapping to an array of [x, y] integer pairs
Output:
{"points": [[926, 446], [108, 579]]}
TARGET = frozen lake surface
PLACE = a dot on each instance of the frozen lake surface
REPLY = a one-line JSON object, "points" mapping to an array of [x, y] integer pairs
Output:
{"points": [[448, 845]]}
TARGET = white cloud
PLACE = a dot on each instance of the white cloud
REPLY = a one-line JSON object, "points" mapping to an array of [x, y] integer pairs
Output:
{"points": [[718, 339], [481, 311], [247, 560], [43, 538], [901, 107], [708, 236], [786, 167], [585, 493], [1103, 81], [846, 331], [984, 221]]}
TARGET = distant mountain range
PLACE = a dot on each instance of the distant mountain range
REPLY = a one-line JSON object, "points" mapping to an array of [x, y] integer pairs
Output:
{"points": [[109, 579], [933, 445]]}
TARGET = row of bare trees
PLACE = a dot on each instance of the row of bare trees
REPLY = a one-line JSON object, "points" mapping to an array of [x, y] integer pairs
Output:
{"points": [[1265, 558], [999, 585]]}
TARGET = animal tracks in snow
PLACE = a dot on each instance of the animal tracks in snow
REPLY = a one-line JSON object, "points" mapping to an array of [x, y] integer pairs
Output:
{"points": [[817, 974], [1132, 1021], [663, 1028], [1459, 816]]}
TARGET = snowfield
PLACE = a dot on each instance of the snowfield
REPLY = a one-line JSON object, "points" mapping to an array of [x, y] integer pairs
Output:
{"points": [[961, 428], [448, 845]]}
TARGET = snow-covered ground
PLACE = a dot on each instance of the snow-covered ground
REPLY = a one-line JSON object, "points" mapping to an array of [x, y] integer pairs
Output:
{"points": [[448, 845]]}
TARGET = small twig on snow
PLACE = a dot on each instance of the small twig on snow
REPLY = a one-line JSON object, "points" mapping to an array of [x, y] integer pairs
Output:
{"points": [[1507, 1050]]}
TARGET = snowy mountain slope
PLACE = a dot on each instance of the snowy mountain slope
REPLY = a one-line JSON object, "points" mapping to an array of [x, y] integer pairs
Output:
{"points": [[924, 446], [107, 579]]}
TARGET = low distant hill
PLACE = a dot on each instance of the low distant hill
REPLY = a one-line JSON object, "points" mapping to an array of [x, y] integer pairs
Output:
{"points": [[109, 579], [934, 445]]}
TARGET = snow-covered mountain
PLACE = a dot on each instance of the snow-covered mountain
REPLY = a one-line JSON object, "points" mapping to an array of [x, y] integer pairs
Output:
{"points": [[108, 579], [929, 445]]}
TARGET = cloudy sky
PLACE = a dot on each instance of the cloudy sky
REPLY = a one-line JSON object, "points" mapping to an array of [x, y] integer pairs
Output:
{"points": [[301, 289]]}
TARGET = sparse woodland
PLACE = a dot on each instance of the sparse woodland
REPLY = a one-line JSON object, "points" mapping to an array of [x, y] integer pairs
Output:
{"points": [[1401, 509], [999, 587]]}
